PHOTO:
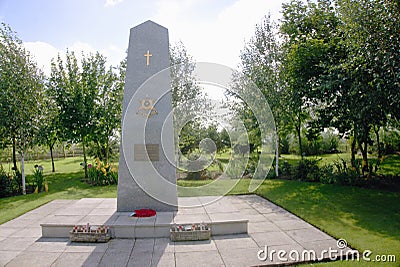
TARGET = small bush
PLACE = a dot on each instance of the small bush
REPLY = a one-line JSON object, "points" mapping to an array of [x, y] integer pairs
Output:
{"points": [[286, 169], [237, 167], [347, 175], [307, 170], [326, 174], [252, 163], [38, 179], [102, 174], [194, 167], [197, 175], [10, 184], [6, 188]]}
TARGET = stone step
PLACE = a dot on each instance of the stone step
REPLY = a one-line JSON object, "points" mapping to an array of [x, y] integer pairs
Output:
{"points": [[148, 230]]}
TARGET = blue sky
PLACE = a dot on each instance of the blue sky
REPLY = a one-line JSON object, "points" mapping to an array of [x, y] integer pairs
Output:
{"points": [[212, 30]]}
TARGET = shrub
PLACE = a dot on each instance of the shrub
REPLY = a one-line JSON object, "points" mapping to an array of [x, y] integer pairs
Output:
{"points": [[307, 170], [38, 179], [195, 168], [329, 142], [197, 175], [238, 167], [346, 175], [6, 188], [102, 174], [252, 164], [286, 169], [326, 174]]}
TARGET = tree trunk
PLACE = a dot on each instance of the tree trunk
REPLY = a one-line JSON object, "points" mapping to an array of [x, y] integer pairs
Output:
{"points": [[52, 158], [14, 155], [298, 130], [364, 152], [107, 151], [84, 158], [63, 147], [23, 173], [353, 152], [376, 130], [277, 155]]}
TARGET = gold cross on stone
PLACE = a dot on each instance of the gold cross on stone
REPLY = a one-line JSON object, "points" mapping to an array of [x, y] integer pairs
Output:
{"points": [[148, 55]]}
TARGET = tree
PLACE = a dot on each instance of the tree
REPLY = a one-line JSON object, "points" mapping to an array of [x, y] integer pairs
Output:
{"points": [[75, 92], [372, 65], [21, 95], [108, 108], [183, 84], [49, 128], [188, 100], [361, 80], [309, 31], [261, 62]]}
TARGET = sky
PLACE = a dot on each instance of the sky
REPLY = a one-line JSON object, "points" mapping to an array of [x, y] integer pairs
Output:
{"points": [[211, 30]]}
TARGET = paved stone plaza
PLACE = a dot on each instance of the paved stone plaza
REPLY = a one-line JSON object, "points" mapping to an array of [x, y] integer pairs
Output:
{"points": [[22, 244]]}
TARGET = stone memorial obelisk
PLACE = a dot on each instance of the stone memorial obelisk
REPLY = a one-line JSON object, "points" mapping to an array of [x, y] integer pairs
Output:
{"points": [[147, 176]]}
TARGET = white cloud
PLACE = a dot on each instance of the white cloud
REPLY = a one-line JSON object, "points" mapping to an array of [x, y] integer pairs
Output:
{"points": [[208, 37], [80, 48], [110, 3], [219, 40], [216, 40], [42, 53]]}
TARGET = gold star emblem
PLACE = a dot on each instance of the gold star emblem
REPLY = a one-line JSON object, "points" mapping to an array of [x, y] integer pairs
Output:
{"points": [[146, 108]]}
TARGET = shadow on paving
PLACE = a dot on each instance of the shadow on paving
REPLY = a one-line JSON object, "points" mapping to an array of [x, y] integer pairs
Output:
{"points": [[372, 210]]}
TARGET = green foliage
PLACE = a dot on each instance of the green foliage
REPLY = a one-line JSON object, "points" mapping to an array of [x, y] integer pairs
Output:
{"points": [[307, 170], [38, 179], [195, 168], [383, 173], [105, 152], [89, 100], [284, 145], [197, 175], [6, 185], [191, 106], [337, 65], [261, 61], [189, 137], [326, 174], [287, 169], [108, 109], [237, 167], [324, 143], [21, 95], [308, 30], [391, 140], [102, 174], [318, 144]]}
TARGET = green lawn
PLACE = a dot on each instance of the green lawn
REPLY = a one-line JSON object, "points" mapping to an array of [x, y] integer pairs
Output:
{"points": [[390, 165], [66, 165], [62, 185], [366, 218]]}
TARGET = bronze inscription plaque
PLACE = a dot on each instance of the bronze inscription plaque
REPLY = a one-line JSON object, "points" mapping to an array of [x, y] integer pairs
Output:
{"points": [[148, 152]]}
